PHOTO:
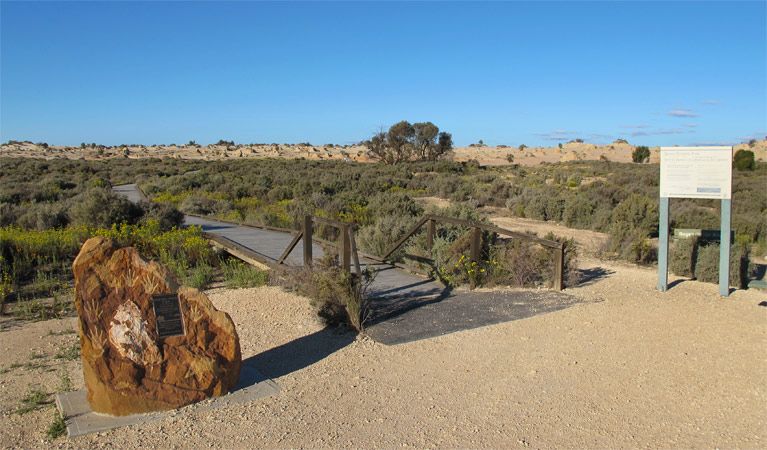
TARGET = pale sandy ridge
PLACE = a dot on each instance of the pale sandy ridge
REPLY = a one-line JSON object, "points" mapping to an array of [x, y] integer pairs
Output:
{"points": [[629, 368], [618, 151]]}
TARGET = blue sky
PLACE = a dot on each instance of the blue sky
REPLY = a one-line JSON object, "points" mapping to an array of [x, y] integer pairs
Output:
{"points": [[654, 73]]}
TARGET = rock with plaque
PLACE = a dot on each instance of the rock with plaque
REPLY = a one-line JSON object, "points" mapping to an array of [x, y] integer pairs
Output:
{"points": [[147, 343]]}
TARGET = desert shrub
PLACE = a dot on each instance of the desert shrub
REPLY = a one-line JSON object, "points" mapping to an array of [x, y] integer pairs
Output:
{"points": [[238, 274], [340, 298], [199, 276], [166, 215], [98, 207], [517, 263], [579, 212], [452, 264], [633, 221], [42, 216], [638, 213], [280, 193], [707, 264], [688, 214], [196, 204], [377, 238], [744, 160], [683, 256], [642, 252], [640, 154]]}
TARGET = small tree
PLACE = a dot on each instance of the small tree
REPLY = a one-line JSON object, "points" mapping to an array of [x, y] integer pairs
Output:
{"points": [[425, 137], [444, 146], [406, 142], [640, 154], [744, 160]]}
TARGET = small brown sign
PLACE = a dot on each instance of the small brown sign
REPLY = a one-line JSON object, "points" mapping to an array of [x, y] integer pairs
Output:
{"points": [[168, 316]]}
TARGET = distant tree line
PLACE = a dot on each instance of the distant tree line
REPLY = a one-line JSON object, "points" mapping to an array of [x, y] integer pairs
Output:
{"points": [[409, 142]]}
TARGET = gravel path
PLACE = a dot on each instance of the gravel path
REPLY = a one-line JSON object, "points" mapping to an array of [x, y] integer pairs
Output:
{"points": [[627, 368]]}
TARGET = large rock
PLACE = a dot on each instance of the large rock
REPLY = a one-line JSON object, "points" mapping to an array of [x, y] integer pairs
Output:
{"points": [[128, 369]]}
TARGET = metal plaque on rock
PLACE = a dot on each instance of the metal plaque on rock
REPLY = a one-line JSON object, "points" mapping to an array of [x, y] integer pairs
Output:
{"points": [[168, 316]]}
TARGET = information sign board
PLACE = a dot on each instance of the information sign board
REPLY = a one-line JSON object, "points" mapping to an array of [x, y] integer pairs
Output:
{"points": [[696, 172]]}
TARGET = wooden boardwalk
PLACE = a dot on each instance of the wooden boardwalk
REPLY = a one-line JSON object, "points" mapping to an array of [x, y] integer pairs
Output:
{"points": [[269, 245], [405, 307]]}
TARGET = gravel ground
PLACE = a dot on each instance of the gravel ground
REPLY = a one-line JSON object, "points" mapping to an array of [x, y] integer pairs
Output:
{"points": [[629, 367]]}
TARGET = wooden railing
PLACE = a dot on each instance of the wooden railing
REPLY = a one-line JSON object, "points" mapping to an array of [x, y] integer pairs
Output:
{"points": [[347, 246], [475, 246]]}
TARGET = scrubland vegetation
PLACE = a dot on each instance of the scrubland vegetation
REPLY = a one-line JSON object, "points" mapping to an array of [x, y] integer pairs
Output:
{"points": [[48, 208]]}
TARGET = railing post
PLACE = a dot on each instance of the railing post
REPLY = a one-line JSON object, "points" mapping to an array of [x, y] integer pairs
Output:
{"points": [[307, 240], [345, 253], [559, 267], [429, 234], [475, 244]]}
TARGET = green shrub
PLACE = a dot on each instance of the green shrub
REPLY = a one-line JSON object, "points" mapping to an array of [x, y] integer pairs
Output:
{"points": [[99, 207], [199, 277], [682, 256], [517, 263], [196, 204], [166, 215], [377, 239], [744, 160], [642, 252], [640, 154], [238, 274], [340, 298], [707, 264], [58, 427], [34, 399]]}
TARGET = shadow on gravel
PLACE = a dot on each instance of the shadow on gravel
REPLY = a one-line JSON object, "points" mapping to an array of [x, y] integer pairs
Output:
{"points": [[591, 276], [300, 353], [390, 305], [407, 319], [676, 283]]}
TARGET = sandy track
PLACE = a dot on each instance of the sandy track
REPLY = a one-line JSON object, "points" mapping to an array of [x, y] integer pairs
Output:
{"points": [[631, 368]]}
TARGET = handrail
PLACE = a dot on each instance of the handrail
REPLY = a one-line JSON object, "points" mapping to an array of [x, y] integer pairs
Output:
{"points": [[347, 249], [430, 220]]}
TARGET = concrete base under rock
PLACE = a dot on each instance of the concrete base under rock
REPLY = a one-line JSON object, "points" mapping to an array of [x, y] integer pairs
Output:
{"points": [[82, 420]]}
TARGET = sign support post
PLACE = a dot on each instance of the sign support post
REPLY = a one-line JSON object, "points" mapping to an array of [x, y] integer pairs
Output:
{"points": [[663, 229], [724, 248]]}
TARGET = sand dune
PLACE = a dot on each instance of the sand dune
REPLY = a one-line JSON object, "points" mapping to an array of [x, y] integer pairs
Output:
{"points": [[528, 156]]}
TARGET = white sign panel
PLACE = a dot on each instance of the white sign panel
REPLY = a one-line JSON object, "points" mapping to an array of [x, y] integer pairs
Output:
{"points": [[696, 172]]}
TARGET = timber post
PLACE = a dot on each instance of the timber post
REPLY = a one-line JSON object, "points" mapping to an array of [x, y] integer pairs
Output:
{"points": [[307, 240], [476, 243]]}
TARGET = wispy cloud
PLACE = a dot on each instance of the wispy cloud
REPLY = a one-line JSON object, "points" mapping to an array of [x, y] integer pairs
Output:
{"points": [[690, 125], [712, 102], [635, 126], [659, 132], [711, 143], [600, 136], [758, 135], [558, 135], [682, 112]]}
